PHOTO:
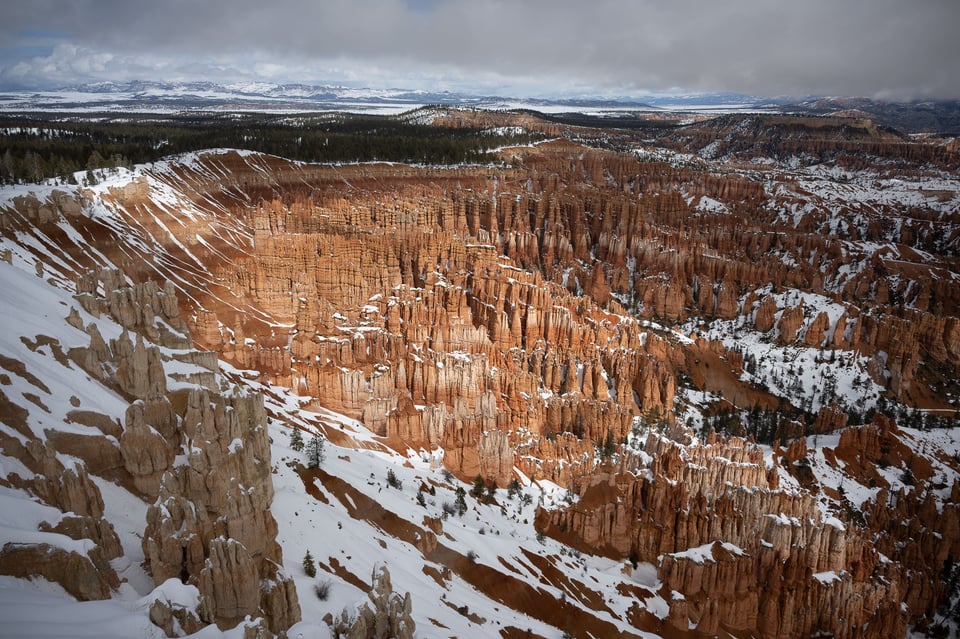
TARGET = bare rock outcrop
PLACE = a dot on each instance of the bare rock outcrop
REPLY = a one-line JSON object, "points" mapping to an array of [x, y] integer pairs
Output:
{"points": [[202, 457], [790, 323], [386, 614], [69, 489], [815, 333], [146, 449], [85, 576], [82, 567], [175, 615], [211, 525], [764, 319]]}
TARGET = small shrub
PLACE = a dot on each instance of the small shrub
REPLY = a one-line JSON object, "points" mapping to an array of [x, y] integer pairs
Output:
{"points": [[448, 509], [447, 475], [472, 556], [322, 589], [421, 500]]}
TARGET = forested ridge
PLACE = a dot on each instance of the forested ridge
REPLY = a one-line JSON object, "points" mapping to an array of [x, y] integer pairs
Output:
{"points": [[36, 147]]}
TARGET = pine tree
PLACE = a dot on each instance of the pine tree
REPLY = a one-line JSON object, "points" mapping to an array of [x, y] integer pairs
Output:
{"points": [[393, 481], [609, 447], [296, 440], [315, 451], [461, 503], [33, 166], [8, 170], [478, 487], [95, 161], [309, 567]]}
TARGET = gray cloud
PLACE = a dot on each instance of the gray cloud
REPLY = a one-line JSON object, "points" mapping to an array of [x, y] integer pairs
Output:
{"points": [[887, 48]]}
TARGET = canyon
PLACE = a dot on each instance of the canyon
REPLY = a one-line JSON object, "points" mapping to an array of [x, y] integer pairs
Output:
{"points": [[724, 361]]}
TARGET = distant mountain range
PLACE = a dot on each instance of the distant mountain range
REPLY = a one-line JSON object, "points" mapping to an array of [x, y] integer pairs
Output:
{"points": [[259, 95], [172, 97]]}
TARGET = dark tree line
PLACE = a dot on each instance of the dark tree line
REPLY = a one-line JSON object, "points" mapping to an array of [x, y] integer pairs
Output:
{"points": [[767, 426], [33, 148], [764, 425]]}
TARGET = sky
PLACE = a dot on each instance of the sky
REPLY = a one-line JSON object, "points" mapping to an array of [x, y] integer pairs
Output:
{"points": [[888, 49]]}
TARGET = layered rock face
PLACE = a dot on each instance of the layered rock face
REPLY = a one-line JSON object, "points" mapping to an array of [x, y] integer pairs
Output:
{"points": [[211, 524], [83, 568], [852, 142], [408, 309], [639, 245]]}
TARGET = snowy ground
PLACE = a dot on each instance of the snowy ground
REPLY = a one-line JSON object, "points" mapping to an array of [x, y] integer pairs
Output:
{"points": [[808, 377]]}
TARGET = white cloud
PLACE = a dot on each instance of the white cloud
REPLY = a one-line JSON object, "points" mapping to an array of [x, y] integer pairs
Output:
{"points": [[71, 64]]}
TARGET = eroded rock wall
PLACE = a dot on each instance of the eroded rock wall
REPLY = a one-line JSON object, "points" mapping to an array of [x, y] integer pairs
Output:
{"points": [[735, 553], [197, 451]]}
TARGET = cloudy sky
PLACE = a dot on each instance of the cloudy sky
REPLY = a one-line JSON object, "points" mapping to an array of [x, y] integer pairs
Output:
{"points": [[875, 48]]}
